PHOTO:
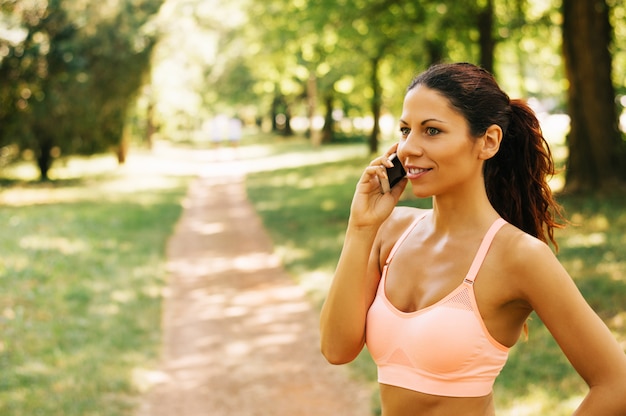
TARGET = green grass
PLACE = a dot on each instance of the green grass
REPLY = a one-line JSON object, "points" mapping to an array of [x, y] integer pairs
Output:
{"points": [[81, 274], [83, 267], [306, 210]]}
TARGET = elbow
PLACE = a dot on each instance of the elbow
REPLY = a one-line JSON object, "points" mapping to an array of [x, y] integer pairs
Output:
{"points": [[341, 344], [337, 355], [608, 399]]}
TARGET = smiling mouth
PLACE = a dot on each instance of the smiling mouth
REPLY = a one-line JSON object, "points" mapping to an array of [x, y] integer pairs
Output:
{"points": [[417, 171]]}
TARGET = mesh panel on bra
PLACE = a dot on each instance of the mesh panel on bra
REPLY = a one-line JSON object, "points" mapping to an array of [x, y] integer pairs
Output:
{"points": [[399, 357], [460, 301]]}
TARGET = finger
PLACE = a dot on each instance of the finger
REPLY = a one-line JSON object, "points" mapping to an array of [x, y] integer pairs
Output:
{"points": [[385, 158], [372, 179], [378, 175], [377, 170], [382, 161]]}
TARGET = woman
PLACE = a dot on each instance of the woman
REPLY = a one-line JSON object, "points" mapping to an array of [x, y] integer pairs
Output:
{"points": [[439, 296]]}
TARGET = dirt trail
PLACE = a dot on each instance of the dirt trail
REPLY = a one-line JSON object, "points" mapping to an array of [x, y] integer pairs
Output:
{"points": [[240, 338]]}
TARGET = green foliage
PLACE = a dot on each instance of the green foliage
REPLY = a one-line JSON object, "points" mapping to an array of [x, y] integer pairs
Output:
{"points": [[80, 288], [68, 84], [69, 70], [359, 55], [282, 45], [618, 48]]}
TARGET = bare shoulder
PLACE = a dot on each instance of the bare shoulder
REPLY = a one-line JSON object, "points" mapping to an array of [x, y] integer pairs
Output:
{"points": [[399, 220], [531, 261], [394, 226], [521, 246]]}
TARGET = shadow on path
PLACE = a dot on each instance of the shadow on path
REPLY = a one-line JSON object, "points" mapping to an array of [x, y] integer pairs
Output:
{"points": [[239, 337]]}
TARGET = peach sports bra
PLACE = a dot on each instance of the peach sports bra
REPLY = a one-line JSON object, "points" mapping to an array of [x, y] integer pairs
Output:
{"points": [[444, 349]]}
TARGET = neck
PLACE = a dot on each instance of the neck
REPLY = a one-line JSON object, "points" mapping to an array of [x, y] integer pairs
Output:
{"points": [[463, 211]]}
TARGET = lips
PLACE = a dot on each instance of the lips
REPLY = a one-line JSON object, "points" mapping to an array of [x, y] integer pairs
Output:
{"points": [[417, 171]]}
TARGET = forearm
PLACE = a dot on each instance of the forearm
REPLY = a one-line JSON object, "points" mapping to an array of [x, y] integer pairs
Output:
{"points": [[343, 315]]}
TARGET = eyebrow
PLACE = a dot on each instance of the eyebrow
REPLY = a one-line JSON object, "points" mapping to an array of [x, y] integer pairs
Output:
{"points": [[424, 122]]}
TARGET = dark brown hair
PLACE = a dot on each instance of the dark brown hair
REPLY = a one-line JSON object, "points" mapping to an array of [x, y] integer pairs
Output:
{"points": [[516, 177]]}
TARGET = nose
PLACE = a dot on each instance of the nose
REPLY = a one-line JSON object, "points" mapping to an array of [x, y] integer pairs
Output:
{"points": [[409, 148]]}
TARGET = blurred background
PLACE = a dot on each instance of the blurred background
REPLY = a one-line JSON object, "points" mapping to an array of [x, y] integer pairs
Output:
{"points": [[109, 108], [82, 77]]}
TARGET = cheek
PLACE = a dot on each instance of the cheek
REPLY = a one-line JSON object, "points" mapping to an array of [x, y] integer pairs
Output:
{"points": [[452, 151]]}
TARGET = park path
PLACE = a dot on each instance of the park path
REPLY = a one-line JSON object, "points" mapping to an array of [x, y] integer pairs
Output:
{"points": [[239, 337]]}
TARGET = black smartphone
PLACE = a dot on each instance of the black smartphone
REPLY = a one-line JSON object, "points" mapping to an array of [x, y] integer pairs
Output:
{"points": [[395, 174]]}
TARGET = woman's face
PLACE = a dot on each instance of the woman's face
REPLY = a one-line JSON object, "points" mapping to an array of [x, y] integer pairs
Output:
{"points": [[436, 148]]}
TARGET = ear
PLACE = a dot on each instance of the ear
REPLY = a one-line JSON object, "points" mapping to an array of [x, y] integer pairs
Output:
{"points": [[489, 143]]}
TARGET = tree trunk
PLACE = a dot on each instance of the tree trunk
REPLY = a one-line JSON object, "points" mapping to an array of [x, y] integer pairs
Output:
{"points": [[435, 50], [486, 40], [280, 109], [311, 101], [287, 131], [522, 57], [150, 125], [596, 148], [376, 106], [44, 158], [121, 150], [274, 111], [329, 122]]}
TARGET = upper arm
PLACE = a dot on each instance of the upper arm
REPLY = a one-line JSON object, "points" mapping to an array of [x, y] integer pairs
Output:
{"points": [[579, 331]]}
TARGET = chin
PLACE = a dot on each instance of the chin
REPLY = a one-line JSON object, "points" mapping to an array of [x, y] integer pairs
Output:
{"points": [[421, 194]]}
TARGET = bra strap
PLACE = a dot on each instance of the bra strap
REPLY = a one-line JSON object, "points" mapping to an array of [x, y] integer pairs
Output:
{"points": [[482, 250], [402, 238]]}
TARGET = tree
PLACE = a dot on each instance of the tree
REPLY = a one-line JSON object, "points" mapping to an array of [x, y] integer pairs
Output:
{"points": [[484, 23], [372, 31], [71, 79], [597, 154], [418, 33]]}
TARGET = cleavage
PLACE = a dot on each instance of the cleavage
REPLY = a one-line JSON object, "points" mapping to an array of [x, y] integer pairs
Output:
{"points": [[419, 277]]}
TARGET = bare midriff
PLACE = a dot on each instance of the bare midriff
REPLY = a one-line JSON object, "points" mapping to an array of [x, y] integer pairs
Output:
{"points": [[397, 401]]}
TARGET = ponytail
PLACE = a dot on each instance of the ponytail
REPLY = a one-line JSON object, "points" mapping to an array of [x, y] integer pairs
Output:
{"points": [[516, 177]]}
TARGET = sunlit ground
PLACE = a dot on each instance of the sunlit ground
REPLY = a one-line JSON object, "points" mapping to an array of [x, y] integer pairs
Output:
{"points": [[159, 168], [81, 279]]}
